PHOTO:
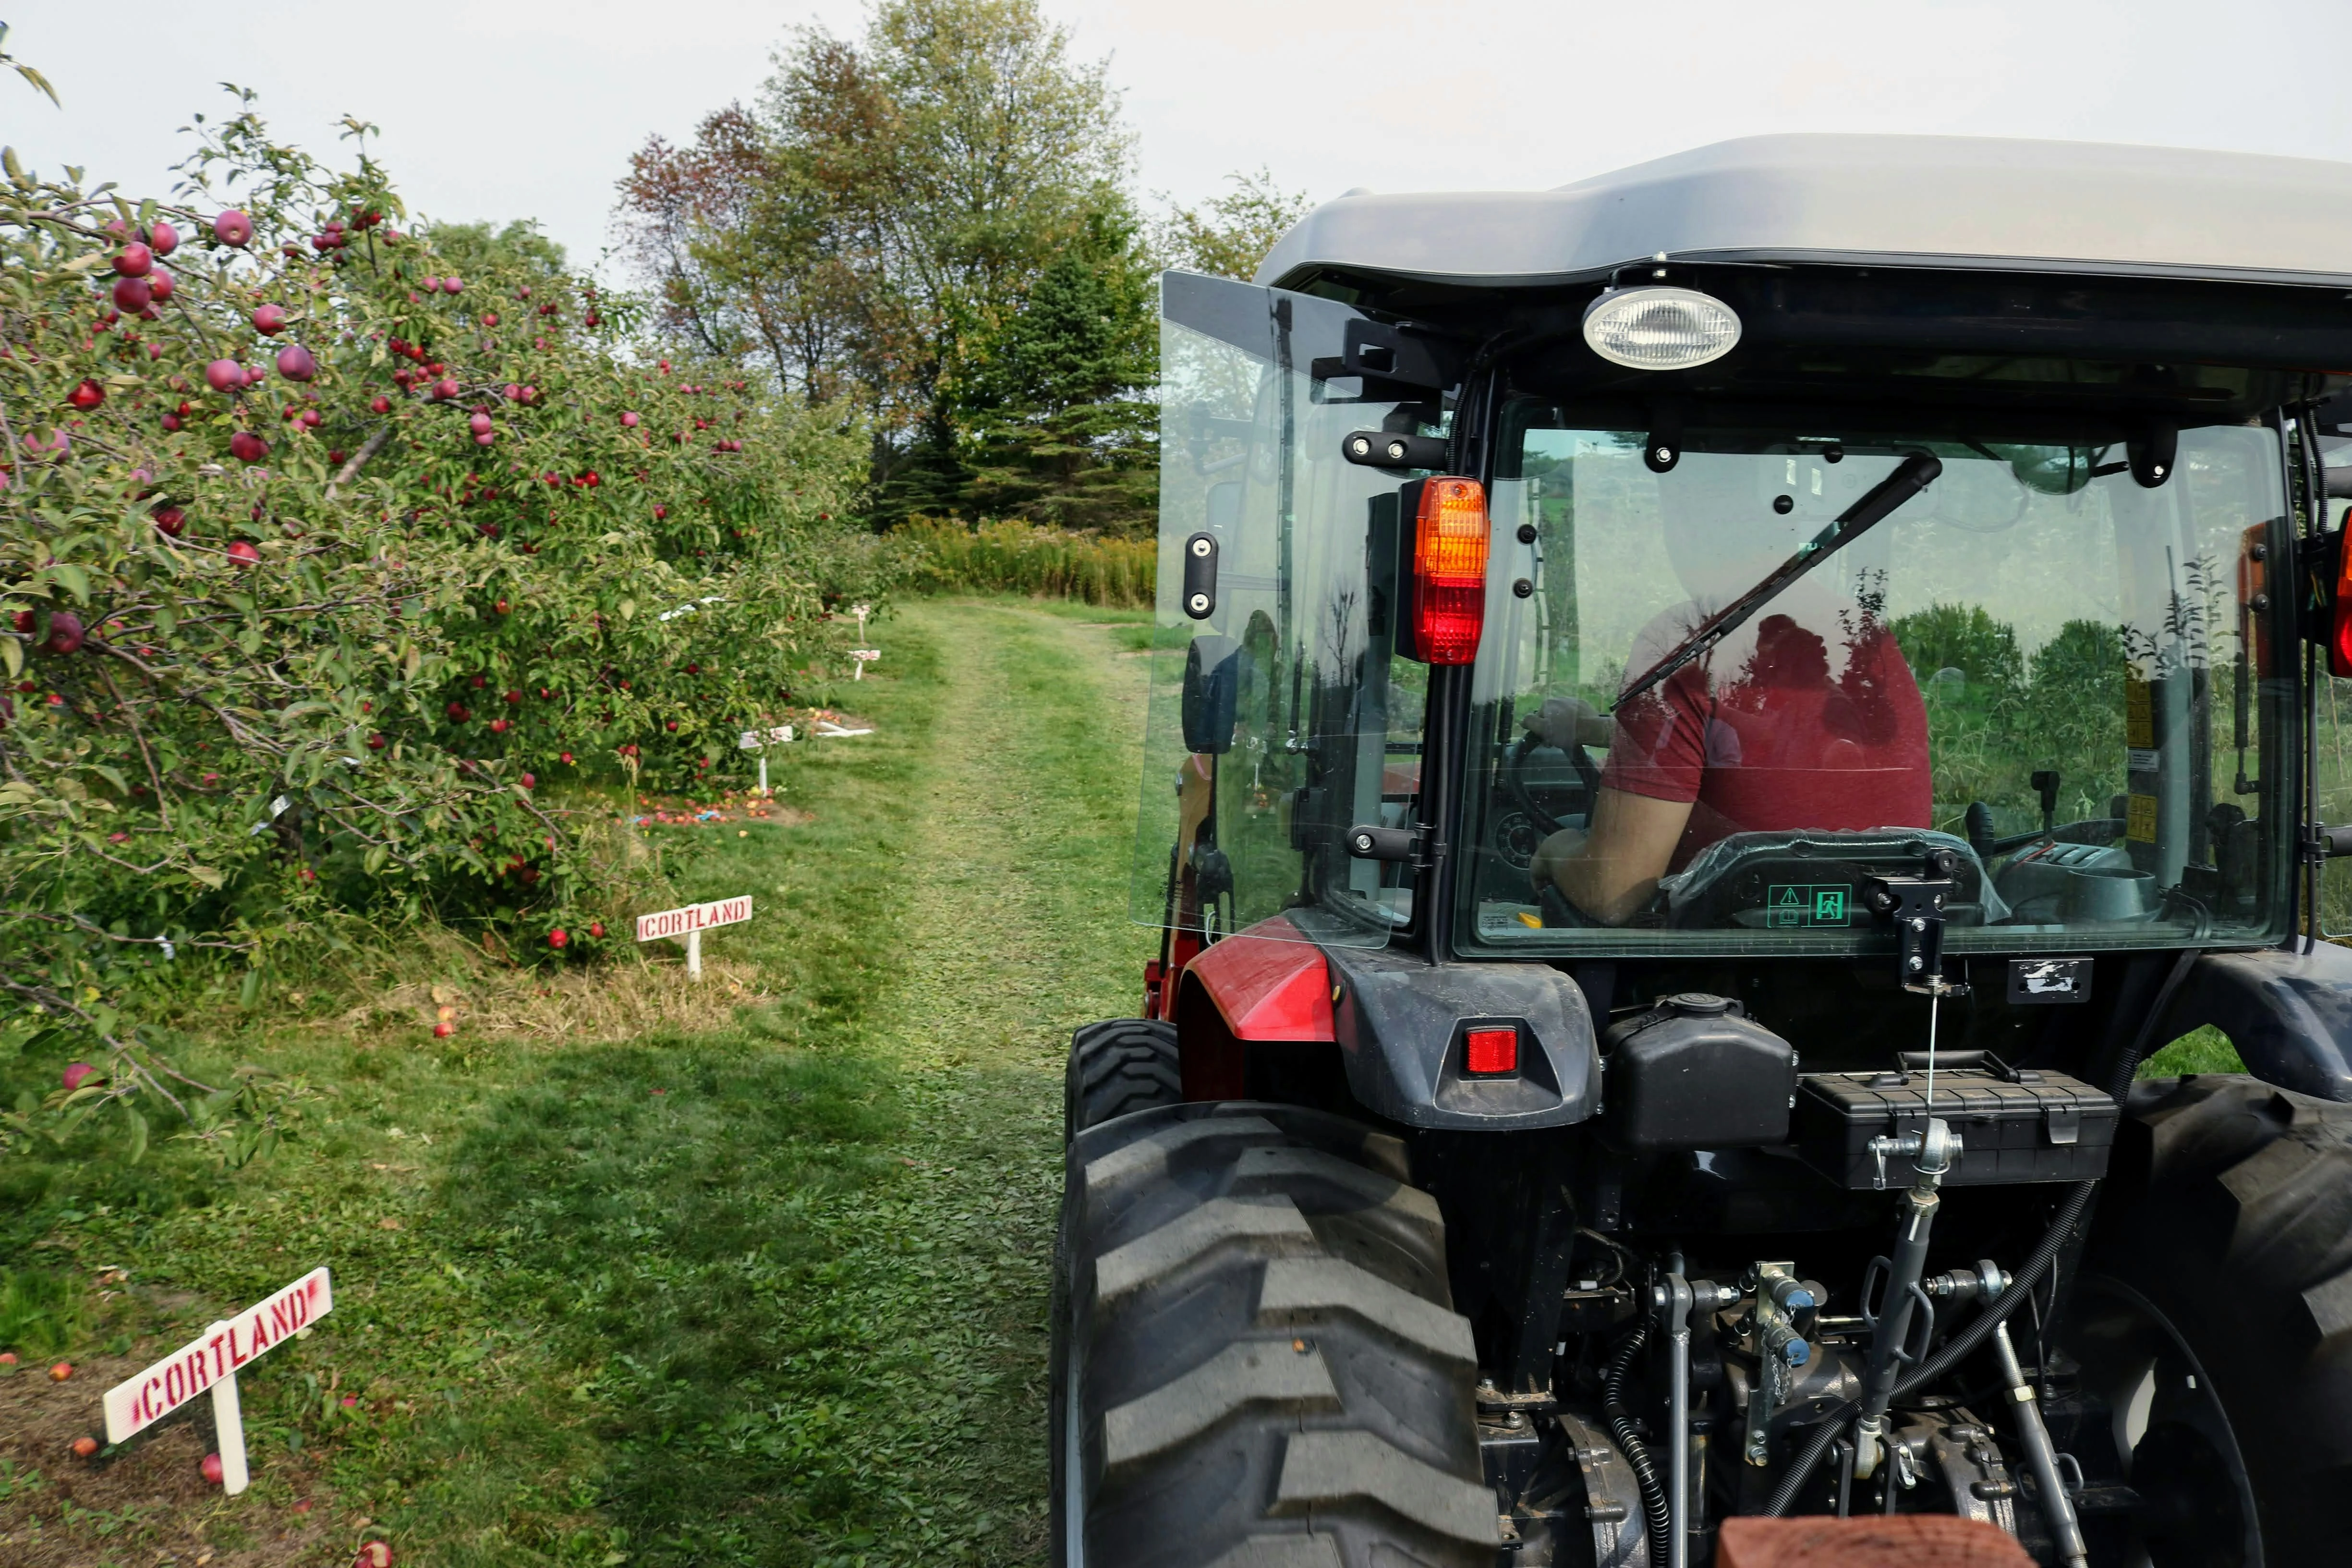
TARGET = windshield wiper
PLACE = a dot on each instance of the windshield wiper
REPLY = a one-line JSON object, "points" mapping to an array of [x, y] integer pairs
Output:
{"points": [[1911, 476]]}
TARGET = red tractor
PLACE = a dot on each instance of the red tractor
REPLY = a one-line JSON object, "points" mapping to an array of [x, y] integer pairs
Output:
{"points": [[1704, 725]]}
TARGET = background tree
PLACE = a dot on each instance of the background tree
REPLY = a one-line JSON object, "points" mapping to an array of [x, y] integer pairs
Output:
{"points": [[741, 252], [1228, 236], [518, 247], [878, 225], [1057, 399]]}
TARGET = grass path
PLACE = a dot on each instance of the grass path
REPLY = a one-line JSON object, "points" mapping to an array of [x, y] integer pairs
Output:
{"points": [[772, 1292]]}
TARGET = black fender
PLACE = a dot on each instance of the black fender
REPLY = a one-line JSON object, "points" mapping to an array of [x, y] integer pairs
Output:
{"points": [[1400, 1021], [2288, 1013]]}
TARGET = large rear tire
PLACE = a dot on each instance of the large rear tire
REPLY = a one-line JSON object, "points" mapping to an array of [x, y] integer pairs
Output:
{"points": [[1255, 1360], [1117, 1066], [2219, 1306]]}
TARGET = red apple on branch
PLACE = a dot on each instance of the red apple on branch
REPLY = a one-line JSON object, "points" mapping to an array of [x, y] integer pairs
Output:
{"points": [[296, 363], [164, 238], [233, 228], [134, 260], [269, 320], [65, 633]]}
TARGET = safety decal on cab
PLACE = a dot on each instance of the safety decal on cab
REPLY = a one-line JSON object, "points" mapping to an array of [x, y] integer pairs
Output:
{"points": [[1804, 904]]}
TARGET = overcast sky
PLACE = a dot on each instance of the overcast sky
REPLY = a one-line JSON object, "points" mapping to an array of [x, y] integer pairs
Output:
{"points": [[502, 109]]}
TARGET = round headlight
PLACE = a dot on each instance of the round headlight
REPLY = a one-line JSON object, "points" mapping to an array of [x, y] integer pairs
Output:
{"points": [[1660, 329]]}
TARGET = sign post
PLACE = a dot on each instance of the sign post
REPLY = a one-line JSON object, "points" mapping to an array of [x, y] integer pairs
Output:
{"points": [[752, 741], [208, 1364], [864, 655], [687, 925]]}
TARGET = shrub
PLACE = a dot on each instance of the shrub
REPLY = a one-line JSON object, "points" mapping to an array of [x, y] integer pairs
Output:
{"points": [[1962, 637], [1021, 558]]}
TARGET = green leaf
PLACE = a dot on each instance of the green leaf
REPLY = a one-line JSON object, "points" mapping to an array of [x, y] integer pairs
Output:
{"points": [[12, 654], [138, 1148], [73, 578], [209, 877]]}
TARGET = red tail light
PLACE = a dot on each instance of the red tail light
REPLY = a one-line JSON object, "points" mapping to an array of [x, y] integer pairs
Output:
{"points": [[2339, 631], [1449, 571]]}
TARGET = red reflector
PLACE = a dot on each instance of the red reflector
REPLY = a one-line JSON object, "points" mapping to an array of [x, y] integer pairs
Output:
{"points": [[1449, 571], [1493, 1050]]}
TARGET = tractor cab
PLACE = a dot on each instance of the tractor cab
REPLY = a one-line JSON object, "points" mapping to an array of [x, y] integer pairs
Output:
{"points": [[1702, 725]]}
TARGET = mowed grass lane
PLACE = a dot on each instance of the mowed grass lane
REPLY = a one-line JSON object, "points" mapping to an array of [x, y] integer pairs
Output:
{"points": [[818, 1275], [769, 1293]]}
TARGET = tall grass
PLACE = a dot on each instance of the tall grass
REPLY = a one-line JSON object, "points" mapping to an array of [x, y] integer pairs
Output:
{"points": [[1021, 558]]}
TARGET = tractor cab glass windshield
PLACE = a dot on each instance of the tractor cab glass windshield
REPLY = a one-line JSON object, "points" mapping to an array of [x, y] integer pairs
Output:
{"points": [[2040, 670]]}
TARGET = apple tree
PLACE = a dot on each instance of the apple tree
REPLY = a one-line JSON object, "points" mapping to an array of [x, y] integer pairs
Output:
{"points": [[333, 578]]}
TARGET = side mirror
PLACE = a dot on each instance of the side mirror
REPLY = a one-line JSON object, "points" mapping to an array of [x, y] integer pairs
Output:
{"points": [[1214, 668]]}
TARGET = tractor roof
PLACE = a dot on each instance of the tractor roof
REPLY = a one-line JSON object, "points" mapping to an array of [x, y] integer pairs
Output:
{"points": [[1940, 201]]}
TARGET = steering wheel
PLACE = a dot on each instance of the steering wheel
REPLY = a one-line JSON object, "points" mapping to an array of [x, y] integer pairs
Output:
{"points": [[1515, 763]]}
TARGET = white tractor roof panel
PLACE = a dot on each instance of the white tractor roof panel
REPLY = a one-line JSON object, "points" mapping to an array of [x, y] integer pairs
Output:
{"points": [[1917, 200]]}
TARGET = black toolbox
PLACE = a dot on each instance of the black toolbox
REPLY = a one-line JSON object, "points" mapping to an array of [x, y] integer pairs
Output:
{"points": [[2012, 1125]]}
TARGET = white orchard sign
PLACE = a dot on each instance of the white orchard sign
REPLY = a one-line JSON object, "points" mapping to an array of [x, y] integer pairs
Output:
{"points": [[687, 925], [209, 1363]]}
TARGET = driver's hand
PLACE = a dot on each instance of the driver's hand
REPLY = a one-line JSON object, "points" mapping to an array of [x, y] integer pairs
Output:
{"points": [[1565, 721]]}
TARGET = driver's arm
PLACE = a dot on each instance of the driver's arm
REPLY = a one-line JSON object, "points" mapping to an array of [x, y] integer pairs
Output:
{"points": [[1610, 869]]}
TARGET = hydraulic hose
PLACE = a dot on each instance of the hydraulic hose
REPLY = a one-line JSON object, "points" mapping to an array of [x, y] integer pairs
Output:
{"points": [[2044, 1253], [1655, 1514]]}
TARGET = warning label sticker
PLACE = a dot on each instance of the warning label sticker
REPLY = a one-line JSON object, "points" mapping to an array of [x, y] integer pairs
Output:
{"points": [[1789, 905]]}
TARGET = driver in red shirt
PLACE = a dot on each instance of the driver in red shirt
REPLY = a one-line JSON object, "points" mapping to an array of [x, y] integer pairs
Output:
{"points": [[1807, 717]]}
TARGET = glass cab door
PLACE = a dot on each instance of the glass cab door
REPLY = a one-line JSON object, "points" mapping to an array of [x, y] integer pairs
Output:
{"points": [[1277, 717]]}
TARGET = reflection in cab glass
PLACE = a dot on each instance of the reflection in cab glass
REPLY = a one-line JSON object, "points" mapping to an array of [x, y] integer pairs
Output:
{"points": [[1719, 705]]}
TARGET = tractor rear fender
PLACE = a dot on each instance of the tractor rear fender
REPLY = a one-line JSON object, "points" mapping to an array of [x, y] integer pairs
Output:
{"points": [[1401, 1025], [2288, 1014]]}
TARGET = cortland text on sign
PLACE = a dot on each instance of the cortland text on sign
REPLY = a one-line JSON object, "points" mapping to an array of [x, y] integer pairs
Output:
{"points": [[222, 1349], [694, 918]]}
